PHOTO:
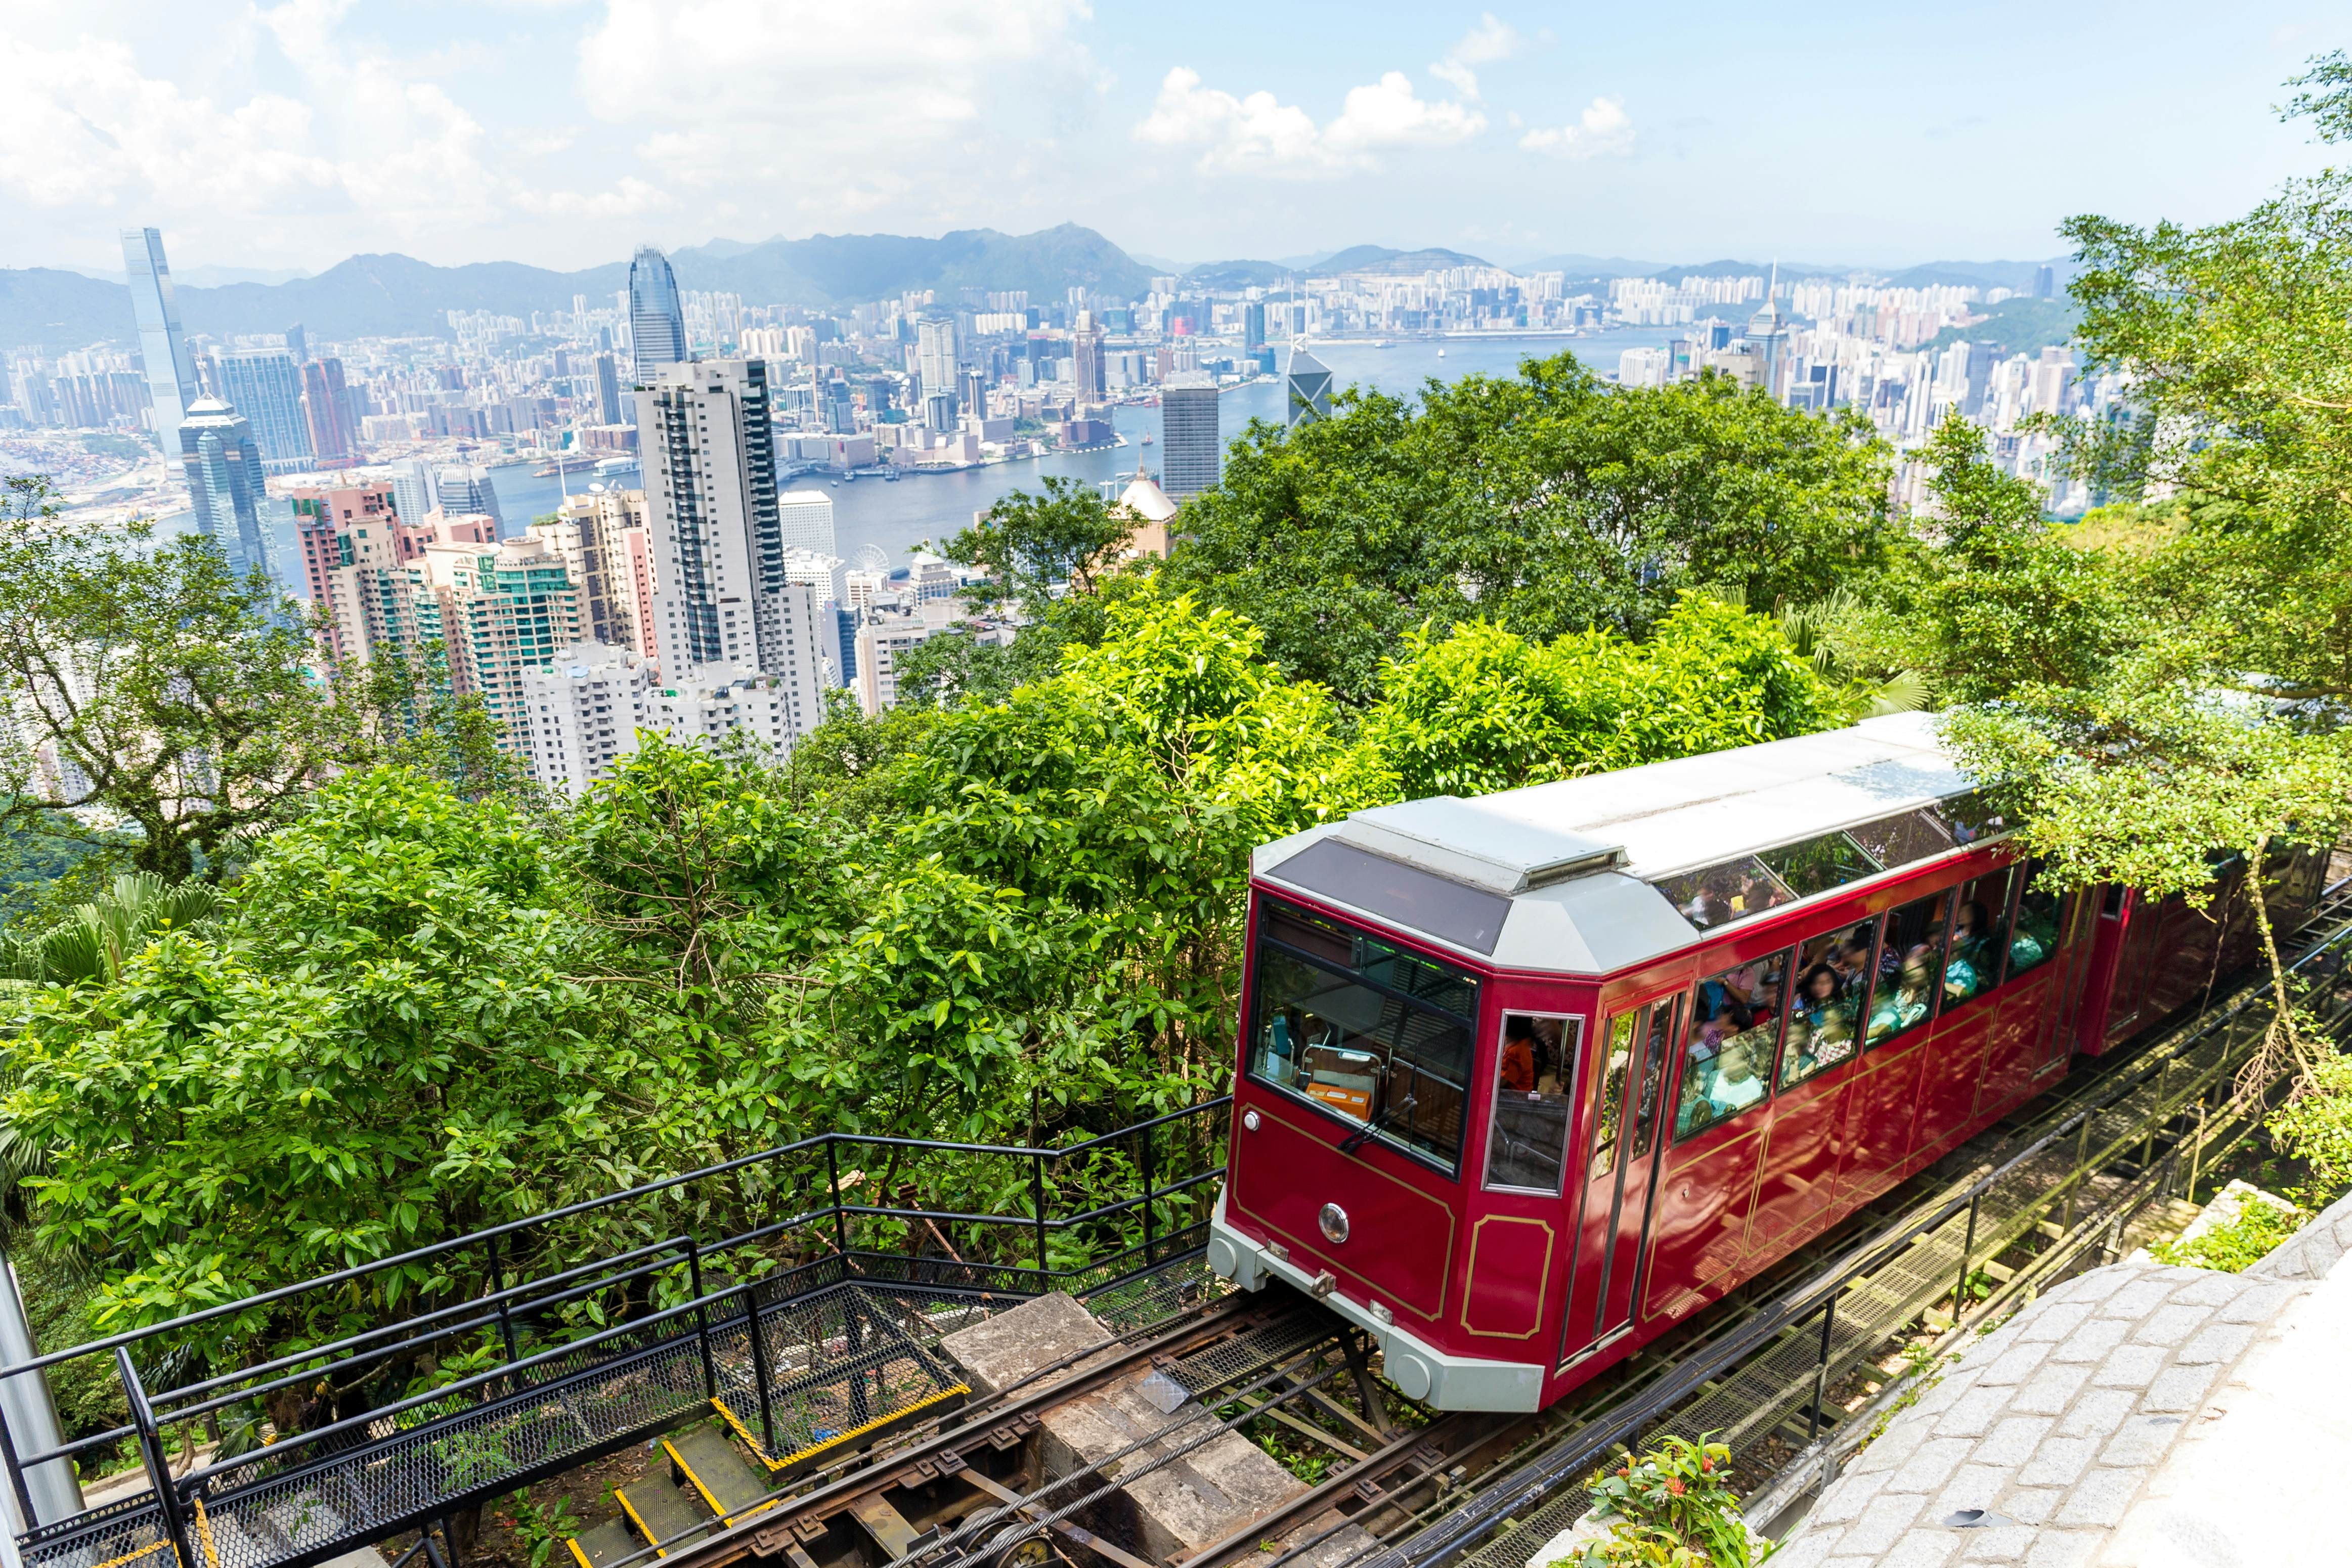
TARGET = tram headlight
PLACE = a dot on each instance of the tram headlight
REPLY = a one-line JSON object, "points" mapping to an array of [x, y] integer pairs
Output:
{"points": [[1333, 1223]]}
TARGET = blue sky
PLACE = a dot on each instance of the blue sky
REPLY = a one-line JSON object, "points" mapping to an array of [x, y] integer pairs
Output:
{"points": [[289, 135]]}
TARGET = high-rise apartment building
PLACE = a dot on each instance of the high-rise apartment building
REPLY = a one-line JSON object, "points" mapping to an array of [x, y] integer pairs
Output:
{"points": [[225, 482], [362, 564], [265, 386], [1307, 381], [164, 349], [582, 714], [608, 391], [657, 316], [326, 412], [505, 612], [589, 535], [1189, 449], [709, 451]]}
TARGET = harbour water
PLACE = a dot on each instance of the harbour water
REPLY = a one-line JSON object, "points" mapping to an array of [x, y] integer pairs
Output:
{"points": [[898, 517]]}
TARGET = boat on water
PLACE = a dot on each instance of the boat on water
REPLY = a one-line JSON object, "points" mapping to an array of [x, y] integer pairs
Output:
{"points": [[1441, 353], [1146, 439]]}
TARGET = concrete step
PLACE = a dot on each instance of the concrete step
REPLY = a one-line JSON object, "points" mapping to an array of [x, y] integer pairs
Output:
{"points": [[731, 1485], [661, 1509], [607, 1543]]}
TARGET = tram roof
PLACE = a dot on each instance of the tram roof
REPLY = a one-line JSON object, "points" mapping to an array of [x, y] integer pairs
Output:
{"points": [[1592, 875]]}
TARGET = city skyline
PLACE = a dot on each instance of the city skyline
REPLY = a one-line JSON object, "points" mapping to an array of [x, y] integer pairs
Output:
{"points": [[533, 134]]}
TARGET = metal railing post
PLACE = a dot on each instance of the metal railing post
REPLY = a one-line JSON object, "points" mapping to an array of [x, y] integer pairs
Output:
{"points": [[1968, 1245], [17, 1474], [158, 1466], [1037, 1197], [840, 1221], [1822, 1372], [2074, 1179], [760, 1365], [498, 1288], [1150, 1232], [701, 1317]]}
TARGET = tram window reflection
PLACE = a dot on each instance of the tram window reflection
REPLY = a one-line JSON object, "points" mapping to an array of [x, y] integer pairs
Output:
{"points": [[1910, 961], [1735, 1030], [1527, 1147], [1979, 920], [2035, 936], [1372, 1032], [1832, 998]]}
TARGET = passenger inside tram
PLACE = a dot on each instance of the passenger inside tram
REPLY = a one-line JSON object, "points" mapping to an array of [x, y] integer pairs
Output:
{"points": [[1905, 1007], [1821, 1026], [1529, 1145], [1739, 1014]]}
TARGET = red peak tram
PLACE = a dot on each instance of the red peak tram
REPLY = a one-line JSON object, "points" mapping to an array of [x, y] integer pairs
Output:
{"points": [[1525, 1080]]}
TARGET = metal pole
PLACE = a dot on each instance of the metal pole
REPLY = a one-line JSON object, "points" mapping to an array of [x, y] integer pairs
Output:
{"points": [[840, 1222], [2074, 1181], [50, 1492], [1150, 1233], [1038, 1196], [150, 1449], [498, 1288], [1822, 1372], [760, 1364], [1968, 1245], [701, 1317]]}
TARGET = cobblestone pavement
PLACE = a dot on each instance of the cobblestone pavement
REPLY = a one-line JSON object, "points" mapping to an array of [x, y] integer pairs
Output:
{"points": [[2037, 1441]]}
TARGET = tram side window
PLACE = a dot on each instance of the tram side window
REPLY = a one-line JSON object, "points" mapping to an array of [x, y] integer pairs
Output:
{"points": [[1735, 1030], [1979, 922], [1910, 958], [1372, 1032], [2035, 936], [1528, 1148], [1834, 973]]}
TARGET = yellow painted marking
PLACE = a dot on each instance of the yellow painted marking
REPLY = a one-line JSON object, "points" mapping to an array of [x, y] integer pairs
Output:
{"points": [[635, 1518]]}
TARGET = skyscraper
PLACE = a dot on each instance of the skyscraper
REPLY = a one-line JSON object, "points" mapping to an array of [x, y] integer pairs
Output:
{"points": [[413, 493], [1253, 326], [465, 488], [162, 346], [1086, 358], [1309, 386], [327, 415], [224, 478], [934, 360], [1187, 429], [608, 391], [656, 318], [710, 498], [2045, 281], [265, 386], [807, 520]]}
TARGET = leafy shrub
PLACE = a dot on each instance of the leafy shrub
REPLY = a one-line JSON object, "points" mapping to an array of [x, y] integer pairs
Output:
{"points": [[2235, 1247], [1672, 1506]]}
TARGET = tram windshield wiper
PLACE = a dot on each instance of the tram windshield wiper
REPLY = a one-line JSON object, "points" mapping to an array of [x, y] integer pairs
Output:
{"points": [[1363, 1135]]}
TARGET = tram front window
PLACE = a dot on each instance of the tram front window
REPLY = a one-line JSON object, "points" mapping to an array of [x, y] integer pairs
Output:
{"points": [[1369, 1032]]}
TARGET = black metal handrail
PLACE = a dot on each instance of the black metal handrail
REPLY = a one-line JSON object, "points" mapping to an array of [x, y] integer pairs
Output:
{"points": [[708, 1307]]}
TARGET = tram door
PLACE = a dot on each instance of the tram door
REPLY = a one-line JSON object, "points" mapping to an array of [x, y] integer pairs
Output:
{"points": [[1619, 1171]]}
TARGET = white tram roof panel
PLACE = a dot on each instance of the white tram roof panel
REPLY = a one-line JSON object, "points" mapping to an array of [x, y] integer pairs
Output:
{"points": [[1558, 876]]}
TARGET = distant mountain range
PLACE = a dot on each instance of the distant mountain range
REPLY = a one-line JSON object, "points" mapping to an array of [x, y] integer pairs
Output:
{"points": [[398, 295], [367, 295]]}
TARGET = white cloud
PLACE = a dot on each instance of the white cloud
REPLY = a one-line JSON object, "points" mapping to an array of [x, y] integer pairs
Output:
{"points": [[1604, 130], [1259, 135], [1492, 40], [348, 133]]}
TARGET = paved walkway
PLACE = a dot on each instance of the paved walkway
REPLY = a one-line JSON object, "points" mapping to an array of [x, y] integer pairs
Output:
{"points": [[2139, 1416]]}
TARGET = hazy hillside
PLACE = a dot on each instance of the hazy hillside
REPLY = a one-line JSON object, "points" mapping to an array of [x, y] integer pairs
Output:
{"points": [[398, 295], [2020, 326], [1380, 258]]}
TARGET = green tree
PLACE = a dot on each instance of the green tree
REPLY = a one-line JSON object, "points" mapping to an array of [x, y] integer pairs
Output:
{"points": [[167, 690], [1483, 708], [2237, 338], [1547, 501]]}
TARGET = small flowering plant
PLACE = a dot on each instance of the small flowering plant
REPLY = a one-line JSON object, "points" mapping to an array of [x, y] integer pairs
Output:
{"points": [[1672, 1506]]}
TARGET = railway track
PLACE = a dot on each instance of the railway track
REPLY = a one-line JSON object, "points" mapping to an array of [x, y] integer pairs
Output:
{"points": [[2051, 1191]]}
